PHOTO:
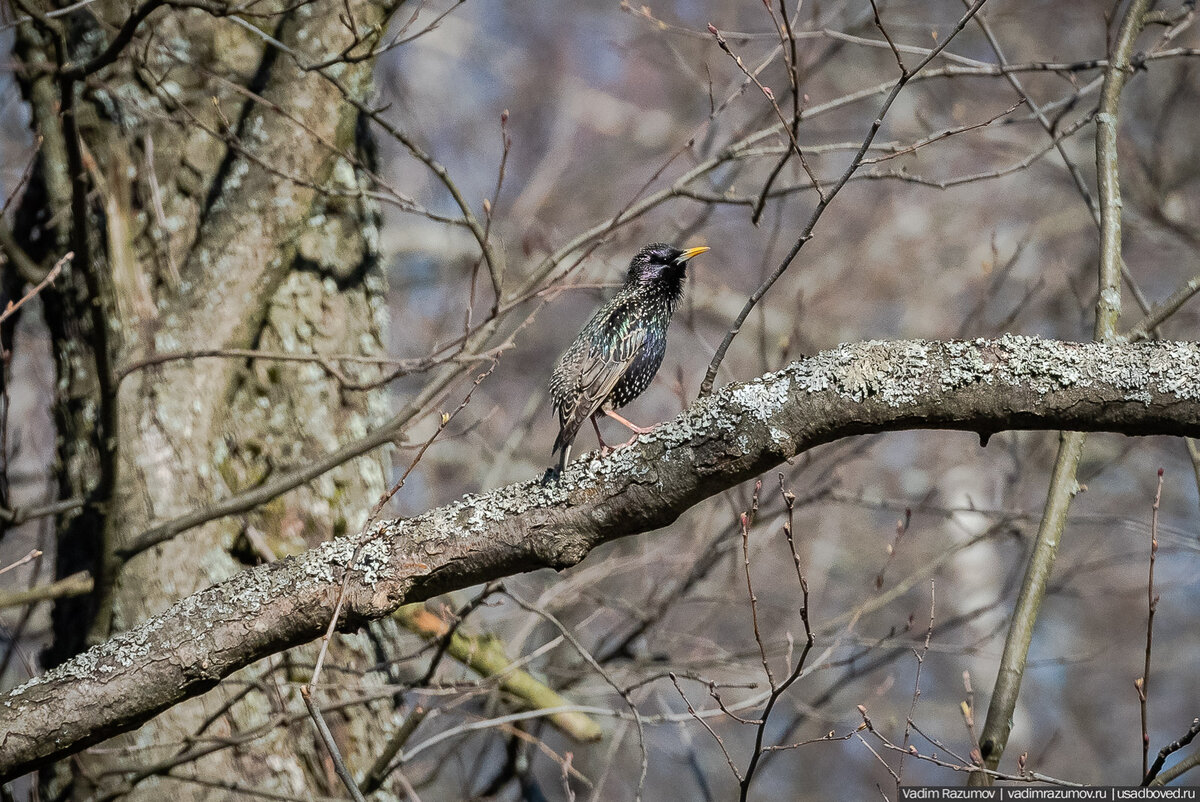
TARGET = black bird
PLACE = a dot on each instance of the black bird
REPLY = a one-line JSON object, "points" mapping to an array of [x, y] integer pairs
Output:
{"points": [[620, 349]]}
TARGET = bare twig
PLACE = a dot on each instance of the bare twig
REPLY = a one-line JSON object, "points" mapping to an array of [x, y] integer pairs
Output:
{"points": [[30, 557], [339, 765], [1169, 750], [788, 46], [1178, 770], [888, 38], [379, 769], [940, 135], [1164, 310], [485, 655], [705, 724], [916, 694], [776, 692], [30, 271], [19, 515], [894, 547], [77, 584], [747, 520], [1142, 684], [591, 661], [1108, 307], [327, 362], [12, 307], [770, 96], [706, 386], [961, 766]]}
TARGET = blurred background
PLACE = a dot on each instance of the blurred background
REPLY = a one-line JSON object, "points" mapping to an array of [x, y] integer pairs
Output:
{"points": [[965, 221]]}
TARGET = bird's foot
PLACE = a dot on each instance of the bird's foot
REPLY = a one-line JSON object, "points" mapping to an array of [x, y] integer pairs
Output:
{"points": [[637, 434], [605, 448], [633, 439], [633, 427]]}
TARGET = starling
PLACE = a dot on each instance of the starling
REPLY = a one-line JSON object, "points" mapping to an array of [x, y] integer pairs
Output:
{"points": [[620, 349]]}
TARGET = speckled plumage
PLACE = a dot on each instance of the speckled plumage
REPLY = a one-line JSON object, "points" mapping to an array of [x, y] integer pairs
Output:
{"points": [[616, 355]]}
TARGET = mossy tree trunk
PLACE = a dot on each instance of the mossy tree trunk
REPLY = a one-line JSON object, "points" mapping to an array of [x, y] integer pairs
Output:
{"points": [[209, 181]]}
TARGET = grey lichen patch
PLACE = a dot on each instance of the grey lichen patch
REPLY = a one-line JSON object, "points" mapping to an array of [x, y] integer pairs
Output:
{"points": [[627, 464], [120, 652], [368, 554], [1046, 366], [1043, 365], [200, 614], [319, 563], [966, 364], [893, 372], [373, 558], [708, 417], [475, 514], [1173, 371], [763, 400]]}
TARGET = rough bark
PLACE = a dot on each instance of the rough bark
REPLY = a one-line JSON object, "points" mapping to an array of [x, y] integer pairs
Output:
{"points": [[983, 385], [213, 209]]}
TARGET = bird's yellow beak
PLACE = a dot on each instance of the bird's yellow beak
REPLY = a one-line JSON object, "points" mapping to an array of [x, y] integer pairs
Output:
{"points": [[690, 252]]}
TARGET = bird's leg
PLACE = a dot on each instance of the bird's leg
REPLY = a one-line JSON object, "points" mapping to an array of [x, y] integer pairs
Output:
{"points": [[633, 427], [605, 448]]}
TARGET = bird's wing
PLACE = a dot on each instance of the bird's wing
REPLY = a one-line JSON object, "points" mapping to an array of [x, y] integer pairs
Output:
{"points": [[599, 372], [602, 369]]}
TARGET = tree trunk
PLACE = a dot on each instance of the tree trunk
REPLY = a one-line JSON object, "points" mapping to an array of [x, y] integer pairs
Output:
{"points": [[208, 208]]}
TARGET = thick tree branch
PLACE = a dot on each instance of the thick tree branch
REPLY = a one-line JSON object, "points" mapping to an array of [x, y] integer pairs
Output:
{"points": [[983, 385]]}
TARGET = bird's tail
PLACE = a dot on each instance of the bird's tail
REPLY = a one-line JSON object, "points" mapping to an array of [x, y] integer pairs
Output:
{"points": [[562, 447]]}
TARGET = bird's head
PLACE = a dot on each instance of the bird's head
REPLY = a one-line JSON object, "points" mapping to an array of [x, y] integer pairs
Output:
{"points": [[659, 262]]}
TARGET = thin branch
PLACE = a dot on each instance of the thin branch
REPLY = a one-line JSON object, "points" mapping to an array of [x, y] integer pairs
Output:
{"points": [[940, 135], [19, 515], [28, 558], [339, 765], [77, 584], [888, 38], [327, 362], [1023, 777], [1063, 482], [747, 520], [706, 386], [1108, 307], [379, 769], [770, 96], [788, 46], [705, 724], [909, 722], [1178, 770], [1142, 684], [29, 270], [12, 307], [777, 692], [1170, 749], [591, 661], [1164, 310], [486, 655]]}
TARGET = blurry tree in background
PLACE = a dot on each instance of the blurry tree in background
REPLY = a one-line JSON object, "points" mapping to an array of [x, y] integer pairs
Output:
{"points": [[312, 253]]}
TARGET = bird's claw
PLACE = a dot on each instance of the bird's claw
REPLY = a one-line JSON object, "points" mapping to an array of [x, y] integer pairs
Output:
{"points": [[606, 449]]}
